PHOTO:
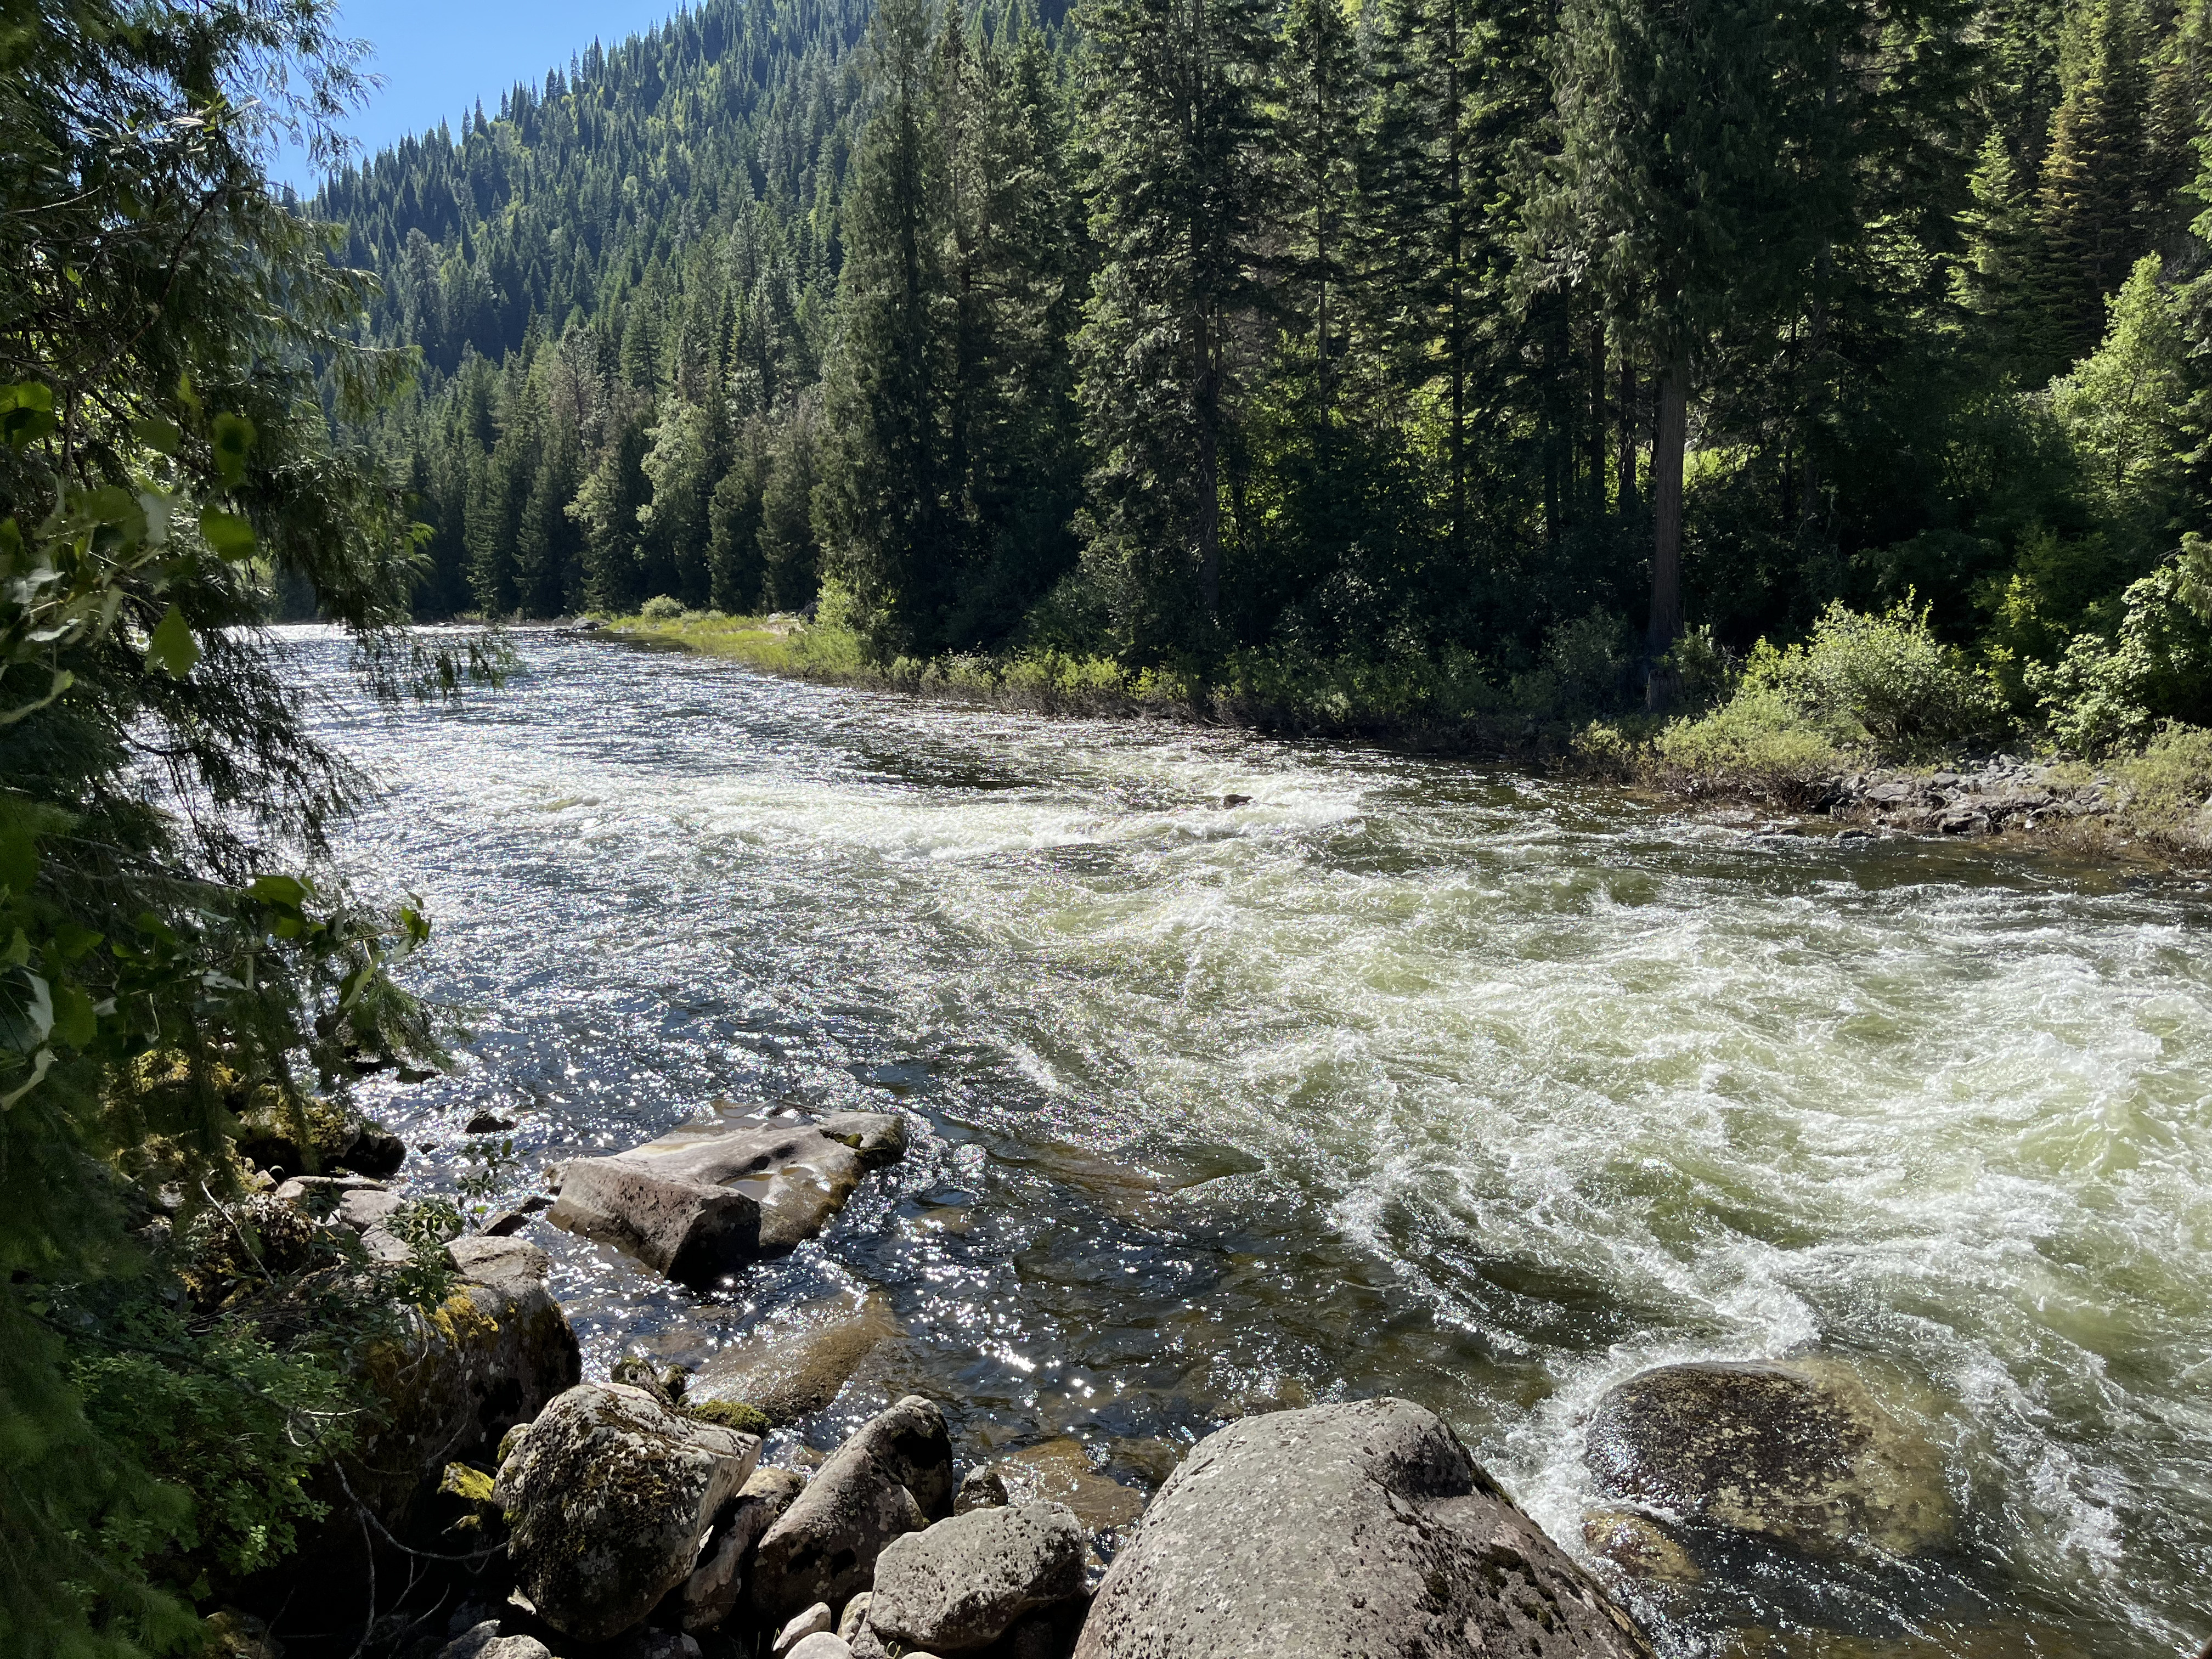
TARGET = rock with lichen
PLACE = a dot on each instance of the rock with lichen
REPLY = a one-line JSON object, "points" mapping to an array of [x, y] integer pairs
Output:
{"points": [[892, 1477], [1800, 1454], [1359, 1528], [611, 1497]]}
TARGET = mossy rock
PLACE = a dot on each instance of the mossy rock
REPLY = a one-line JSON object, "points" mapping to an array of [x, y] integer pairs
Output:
{"points": [[312, 1136], [730, 1414]]}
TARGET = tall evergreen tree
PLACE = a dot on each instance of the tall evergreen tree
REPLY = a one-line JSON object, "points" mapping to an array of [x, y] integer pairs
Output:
{"points": [[1176, 121]]}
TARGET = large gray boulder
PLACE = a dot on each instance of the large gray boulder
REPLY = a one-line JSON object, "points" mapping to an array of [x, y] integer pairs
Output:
{"points": [[612, 1495], [1353, 1532], [893, 1477], [1798, 1453], [705, 1199], [963, 1584]]}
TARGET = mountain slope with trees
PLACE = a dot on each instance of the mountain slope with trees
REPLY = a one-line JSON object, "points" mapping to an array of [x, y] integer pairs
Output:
{"points": [[1500, 355]]}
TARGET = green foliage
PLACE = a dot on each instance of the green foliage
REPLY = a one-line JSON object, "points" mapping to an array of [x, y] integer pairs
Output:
{"points": [[169, 463], [228, 1428], [660, 608], [1882, 679], [2105, 695], [1879, 686]]}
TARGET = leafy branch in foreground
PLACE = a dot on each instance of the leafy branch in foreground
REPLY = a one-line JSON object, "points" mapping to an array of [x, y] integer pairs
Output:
{"points": [[175, 339]]}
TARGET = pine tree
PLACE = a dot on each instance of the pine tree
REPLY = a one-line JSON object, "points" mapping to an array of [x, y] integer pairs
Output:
{"points": [[1323, 89], [2091, 200], [884, 513], [1180, 189]]}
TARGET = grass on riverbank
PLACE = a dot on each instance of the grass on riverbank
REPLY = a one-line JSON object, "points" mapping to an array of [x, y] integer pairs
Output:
{"points": [[1417, 701], [1866, 697]]}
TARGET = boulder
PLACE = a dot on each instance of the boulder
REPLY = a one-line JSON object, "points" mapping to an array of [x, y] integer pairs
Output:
{"points": [[705, 1199], [611, 1496], [855, 1614], [1799, 1454], [717, 1584], [484, 1642], [823, 1645], [981, 1488], [891, 1477], [1355, 1529], [812, 1622], [491, 1260], [315, 1136], [489, 1358], [795, 1368], [964, 1584]]}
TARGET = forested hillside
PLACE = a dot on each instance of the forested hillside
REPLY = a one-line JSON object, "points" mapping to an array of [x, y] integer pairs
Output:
{"points": [[1491, 344]]}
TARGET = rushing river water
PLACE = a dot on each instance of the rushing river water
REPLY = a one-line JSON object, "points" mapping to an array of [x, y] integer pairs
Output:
{"points": [[1399, 1077]]}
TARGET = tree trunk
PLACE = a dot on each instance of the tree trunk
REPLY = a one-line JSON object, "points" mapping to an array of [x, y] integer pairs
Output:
{"points": [[1666, 446], [1627, 504]]}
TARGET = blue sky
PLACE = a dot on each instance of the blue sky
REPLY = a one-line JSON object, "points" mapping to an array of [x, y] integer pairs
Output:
{"points": [[437, 59]]}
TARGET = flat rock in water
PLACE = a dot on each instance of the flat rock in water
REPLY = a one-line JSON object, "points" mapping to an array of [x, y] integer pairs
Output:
{"points": [[964, 1583], [612, 1495], [705, 1199], [1799, 1453], [893, 1477], [1358, 1529], [795, 1368]]}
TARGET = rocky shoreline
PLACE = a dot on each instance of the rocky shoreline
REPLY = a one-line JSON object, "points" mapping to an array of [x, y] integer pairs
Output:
{"points": [[504, 1507]]}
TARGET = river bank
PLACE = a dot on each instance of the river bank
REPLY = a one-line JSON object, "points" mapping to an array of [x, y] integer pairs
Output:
{"points": [[2155, 806]]}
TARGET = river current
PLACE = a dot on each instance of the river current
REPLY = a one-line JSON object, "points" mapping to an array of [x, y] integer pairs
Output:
{"points": [[1392, 1076]]}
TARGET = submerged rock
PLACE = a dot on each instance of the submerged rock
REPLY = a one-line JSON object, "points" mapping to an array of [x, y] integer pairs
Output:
{"points": [[791, 1370], [707, 1198], [1798, 1453], [964, 1583], [1060, 1471], [891, 1477], [613, 1494], [1640, 1546], [1361, 1530]]}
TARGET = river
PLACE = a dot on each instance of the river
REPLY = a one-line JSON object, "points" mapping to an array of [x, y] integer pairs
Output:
{"points": [[1397, 1075]]}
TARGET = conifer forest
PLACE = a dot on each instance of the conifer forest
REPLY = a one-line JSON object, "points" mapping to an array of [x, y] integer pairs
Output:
{"points": [[1492, 336]]}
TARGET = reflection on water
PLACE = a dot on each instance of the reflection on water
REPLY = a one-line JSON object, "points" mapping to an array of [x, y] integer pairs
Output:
{"points": [[1400, 1076]]}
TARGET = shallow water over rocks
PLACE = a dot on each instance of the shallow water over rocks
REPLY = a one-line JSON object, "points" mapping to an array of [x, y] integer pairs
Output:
{"points": [[1396, 1077]]}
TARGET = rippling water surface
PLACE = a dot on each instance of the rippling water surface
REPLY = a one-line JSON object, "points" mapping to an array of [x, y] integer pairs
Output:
{"points": [[1402, 1076]]}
